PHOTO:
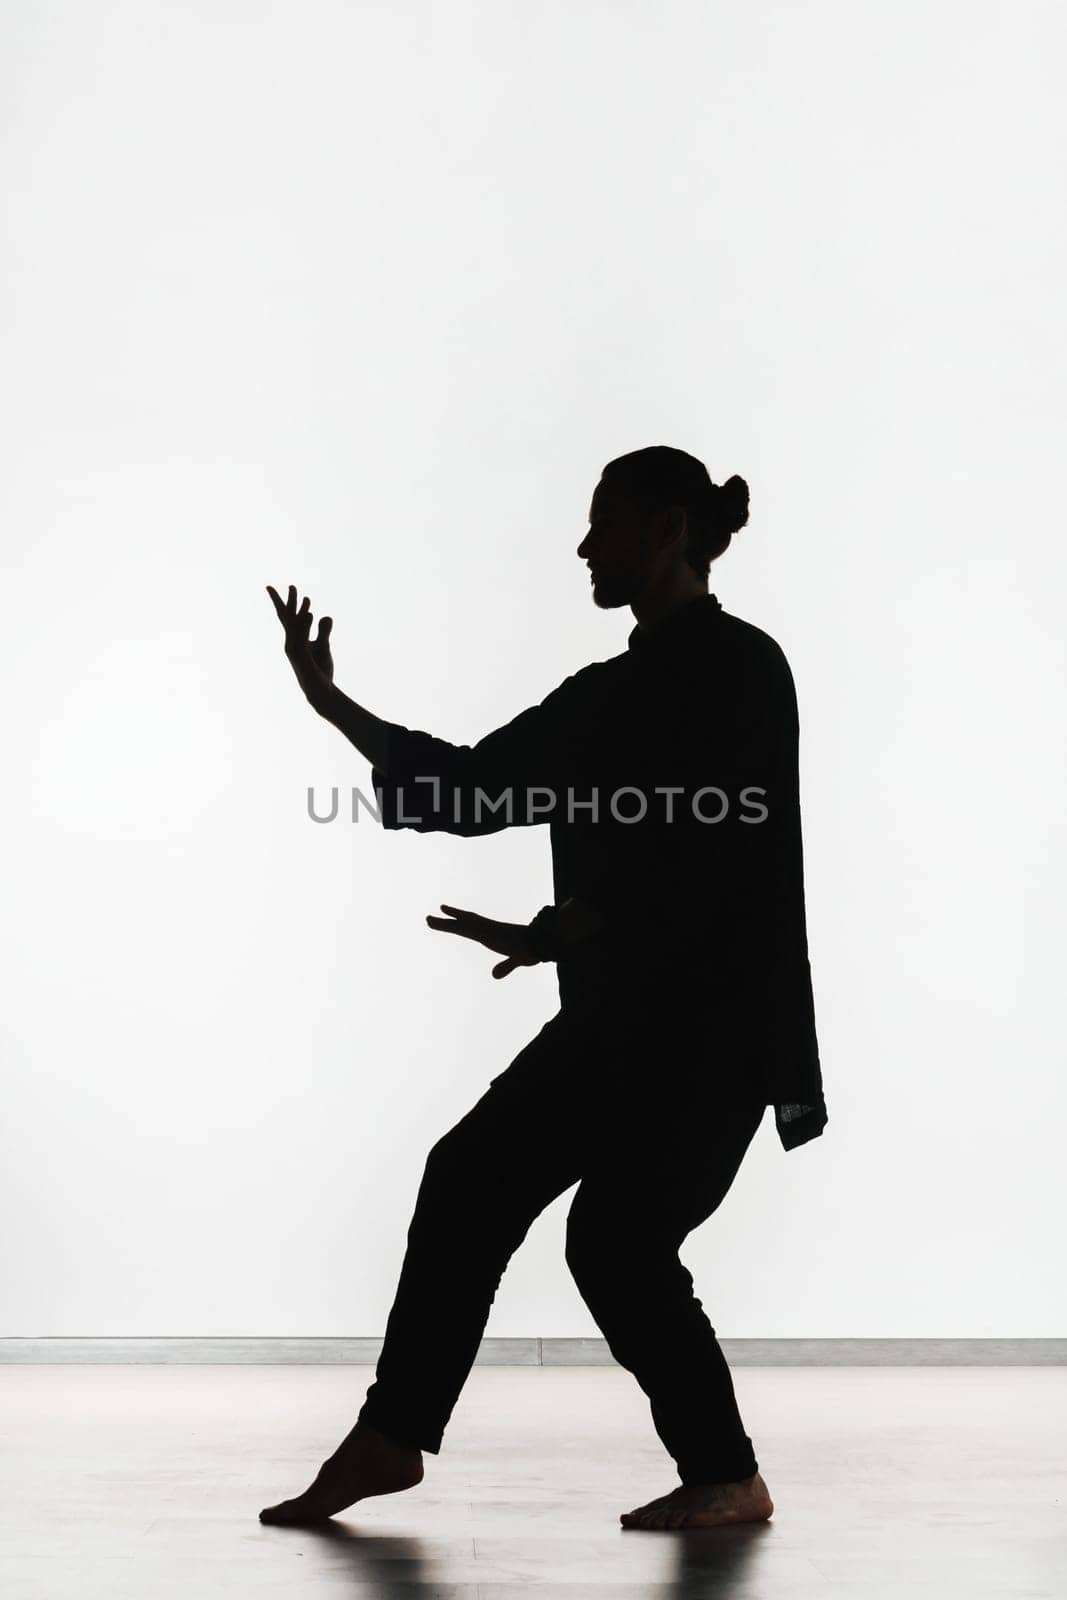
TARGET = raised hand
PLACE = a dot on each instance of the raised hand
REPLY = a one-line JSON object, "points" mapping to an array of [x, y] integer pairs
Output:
{"points": [[510, 939], [310, 658]]}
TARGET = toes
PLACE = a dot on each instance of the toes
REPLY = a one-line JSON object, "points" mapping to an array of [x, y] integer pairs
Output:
{"points": [[298, 1510], [663, 1512], [286, 1511], [273, 1513]]}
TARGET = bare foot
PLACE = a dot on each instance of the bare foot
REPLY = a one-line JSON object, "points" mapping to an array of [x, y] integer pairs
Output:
{"points": [[365, 1463], [698, 1505]]}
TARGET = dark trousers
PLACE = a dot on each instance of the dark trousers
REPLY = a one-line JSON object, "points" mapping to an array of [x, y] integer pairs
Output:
{"points": [[653, 1144]]}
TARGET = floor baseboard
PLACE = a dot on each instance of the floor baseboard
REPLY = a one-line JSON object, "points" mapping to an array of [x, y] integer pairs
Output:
{"points": [[532, 1352]]}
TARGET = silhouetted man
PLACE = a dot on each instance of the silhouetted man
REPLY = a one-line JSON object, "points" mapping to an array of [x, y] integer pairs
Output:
{"points": [[668, 776]]}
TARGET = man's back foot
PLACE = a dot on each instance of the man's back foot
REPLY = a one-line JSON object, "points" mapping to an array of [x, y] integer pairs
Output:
{"points": [[366, 1463], [705, 1506]]}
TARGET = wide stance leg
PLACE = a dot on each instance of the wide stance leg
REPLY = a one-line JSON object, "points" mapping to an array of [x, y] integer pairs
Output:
{"points": [[484, 1183], [626, 1223]]}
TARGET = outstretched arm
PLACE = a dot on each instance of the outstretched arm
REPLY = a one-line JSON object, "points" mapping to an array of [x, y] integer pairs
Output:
{"points": [[514, 776]]}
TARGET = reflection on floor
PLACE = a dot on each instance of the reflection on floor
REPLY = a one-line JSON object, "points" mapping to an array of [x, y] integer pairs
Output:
{"points": [[135, 1483]]}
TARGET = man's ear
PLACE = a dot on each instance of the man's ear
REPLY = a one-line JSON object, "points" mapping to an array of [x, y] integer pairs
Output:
{"points": [[674, 526]]}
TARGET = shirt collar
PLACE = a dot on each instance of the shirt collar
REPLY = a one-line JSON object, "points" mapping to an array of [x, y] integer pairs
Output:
{"points": [[678, 625]]}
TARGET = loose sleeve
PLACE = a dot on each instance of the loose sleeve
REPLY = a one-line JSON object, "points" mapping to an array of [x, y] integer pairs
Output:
{"points": [[513, 777]]}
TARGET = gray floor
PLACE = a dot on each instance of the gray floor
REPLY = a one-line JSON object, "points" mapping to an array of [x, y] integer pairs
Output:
{"points": [[133, 1483]]}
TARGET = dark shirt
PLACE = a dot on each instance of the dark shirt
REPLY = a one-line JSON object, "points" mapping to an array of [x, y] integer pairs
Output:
{"points": [[704, 949]]}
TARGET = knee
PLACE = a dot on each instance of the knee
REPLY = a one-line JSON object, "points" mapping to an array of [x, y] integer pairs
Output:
{"points": [[446, 1160], [613, 1256], [461, 1168], [594, 1250]]}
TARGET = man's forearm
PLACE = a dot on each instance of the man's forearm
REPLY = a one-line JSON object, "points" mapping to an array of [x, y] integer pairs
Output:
{"points": [[369, 734]]}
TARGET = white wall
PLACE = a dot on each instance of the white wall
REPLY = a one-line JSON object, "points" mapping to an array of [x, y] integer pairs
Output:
{"points": [[362, 297]]}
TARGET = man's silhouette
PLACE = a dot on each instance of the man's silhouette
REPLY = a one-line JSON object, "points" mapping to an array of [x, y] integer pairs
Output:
{"points": [[668, 776]]}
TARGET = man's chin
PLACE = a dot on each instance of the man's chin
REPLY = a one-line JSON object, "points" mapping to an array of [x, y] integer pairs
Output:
{"points": [[608, 599]]}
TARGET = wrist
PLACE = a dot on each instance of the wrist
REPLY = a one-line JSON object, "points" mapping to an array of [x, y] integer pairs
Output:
{"points": [[321, 696], [542, 934]]}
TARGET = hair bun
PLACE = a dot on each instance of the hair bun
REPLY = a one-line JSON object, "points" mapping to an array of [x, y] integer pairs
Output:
{"points": [[733, 503]]}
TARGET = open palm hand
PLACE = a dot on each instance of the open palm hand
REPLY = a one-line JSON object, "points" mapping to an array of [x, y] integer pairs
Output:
{"points": [[509, 939], [310, 658]]}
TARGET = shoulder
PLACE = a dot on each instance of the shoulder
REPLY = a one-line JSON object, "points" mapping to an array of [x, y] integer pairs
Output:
{"points": [[753, 647], [583, 689], [598, 675]]}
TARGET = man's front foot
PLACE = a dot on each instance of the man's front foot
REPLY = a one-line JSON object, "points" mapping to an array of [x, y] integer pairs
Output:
{"points": [[365, 1463]]}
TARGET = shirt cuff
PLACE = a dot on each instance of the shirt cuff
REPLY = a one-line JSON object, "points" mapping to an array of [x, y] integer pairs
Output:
{"points": [[543, 937]]}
